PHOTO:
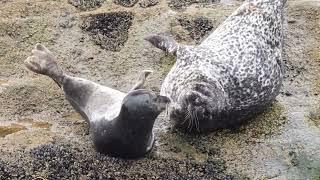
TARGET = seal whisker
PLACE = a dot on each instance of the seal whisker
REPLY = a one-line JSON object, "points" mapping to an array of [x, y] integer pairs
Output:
{"points": [[197, 123], [190, 121], [166, 114], [186, 117]]}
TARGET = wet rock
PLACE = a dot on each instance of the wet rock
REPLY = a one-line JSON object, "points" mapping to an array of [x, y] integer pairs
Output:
{"points": [[314, 116], [126, 3], [148, 3], [293, 158], [4, 172], [69, 162], [8, 171], [86, 4], [197, 27], [56, 160], [180, 4], [67, 22], [109, 30]]}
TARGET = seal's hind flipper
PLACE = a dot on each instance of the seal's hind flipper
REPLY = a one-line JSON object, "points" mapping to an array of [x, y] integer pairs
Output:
{"points": [[43, 62], [164, 43], [142, 78]]}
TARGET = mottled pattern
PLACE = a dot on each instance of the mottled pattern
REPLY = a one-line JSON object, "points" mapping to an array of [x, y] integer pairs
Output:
{"points": [[232, 75]]}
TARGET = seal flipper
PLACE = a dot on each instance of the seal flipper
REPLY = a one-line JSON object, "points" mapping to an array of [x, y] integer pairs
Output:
{"points": [[43, 62], [90, 99], [164, 43], [142, 78]]}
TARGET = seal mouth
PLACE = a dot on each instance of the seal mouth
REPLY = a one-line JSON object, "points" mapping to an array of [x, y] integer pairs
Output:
{"points": [[194, 108]]}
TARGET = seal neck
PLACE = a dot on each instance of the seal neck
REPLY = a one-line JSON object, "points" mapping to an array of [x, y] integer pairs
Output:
{"points": [[136, 124]]}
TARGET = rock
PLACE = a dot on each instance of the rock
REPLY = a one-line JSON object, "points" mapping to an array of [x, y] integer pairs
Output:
{"points": [[85, 5], [148, 3], [109, 30], [126, 3]]}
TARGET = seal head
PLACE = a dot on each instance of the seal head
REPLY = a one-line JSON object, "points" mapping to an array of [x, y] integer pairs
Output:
{"points": [[197, 105], [130, 134]]}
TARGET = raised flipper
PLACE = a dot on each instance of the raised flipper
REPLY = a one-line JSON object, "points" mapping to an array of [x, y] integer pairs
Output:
{"points": [[142, 78], [43, 62], [90, 99], [164, 43]]}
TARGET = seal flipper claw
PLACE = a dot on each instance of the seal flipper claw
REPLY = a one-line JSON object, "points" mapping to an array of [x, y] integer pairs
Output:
{"points": [[142, 78], [43, 62], [164, 43]]}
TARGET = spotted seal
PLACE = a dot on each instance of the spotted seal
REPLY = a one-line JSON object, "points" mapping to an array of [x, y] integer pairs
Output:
{"points": [[233, 75], [120, 123]]}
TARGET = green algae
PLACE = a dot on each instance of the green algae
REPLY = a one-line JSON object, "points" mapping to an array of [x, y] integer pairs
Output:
{"points": [[166, 63], [203, 147], [267, 123], [38, 94], [181, 146]]}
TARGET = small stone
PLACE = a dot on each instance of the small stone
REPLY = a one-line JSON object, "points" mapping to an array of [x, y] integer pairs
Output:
{"points": [[290, 21], [287, 93]]}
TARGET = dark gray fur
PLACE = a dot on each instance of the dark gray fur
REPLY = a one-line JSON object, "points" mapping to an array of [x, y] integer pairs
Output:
{"points": [[121, 124]]}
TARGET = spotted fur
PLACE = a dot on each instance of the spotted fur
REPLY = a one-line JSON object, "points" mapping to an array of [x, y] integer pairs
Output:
{"points": [[232, 75]]}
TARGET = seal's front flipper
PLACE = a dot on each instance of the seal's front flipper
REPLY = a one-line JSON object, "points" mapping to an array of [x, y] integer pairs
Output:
{"points": [[142, 78], [164, 43], [43, 62]]}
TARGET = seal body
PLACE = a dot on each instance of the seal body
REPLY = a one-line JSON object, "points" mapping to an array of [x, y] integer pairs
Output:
{"points": [[232, 75], [120, 123]]}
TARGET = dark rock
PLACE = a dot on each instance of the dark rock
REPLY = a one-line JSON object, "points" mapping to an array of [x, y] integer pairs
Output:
{"points": [[197, 27], [4, 172], [109, 30], [86, 4], [126, 3], [180, 4], [287, 93], [148, 3]]}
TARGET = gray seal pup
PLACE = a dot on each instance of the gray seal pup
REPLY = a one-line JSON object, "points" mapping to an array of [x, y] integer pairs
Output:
{"points": [[120, 123], [233, 75]]}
